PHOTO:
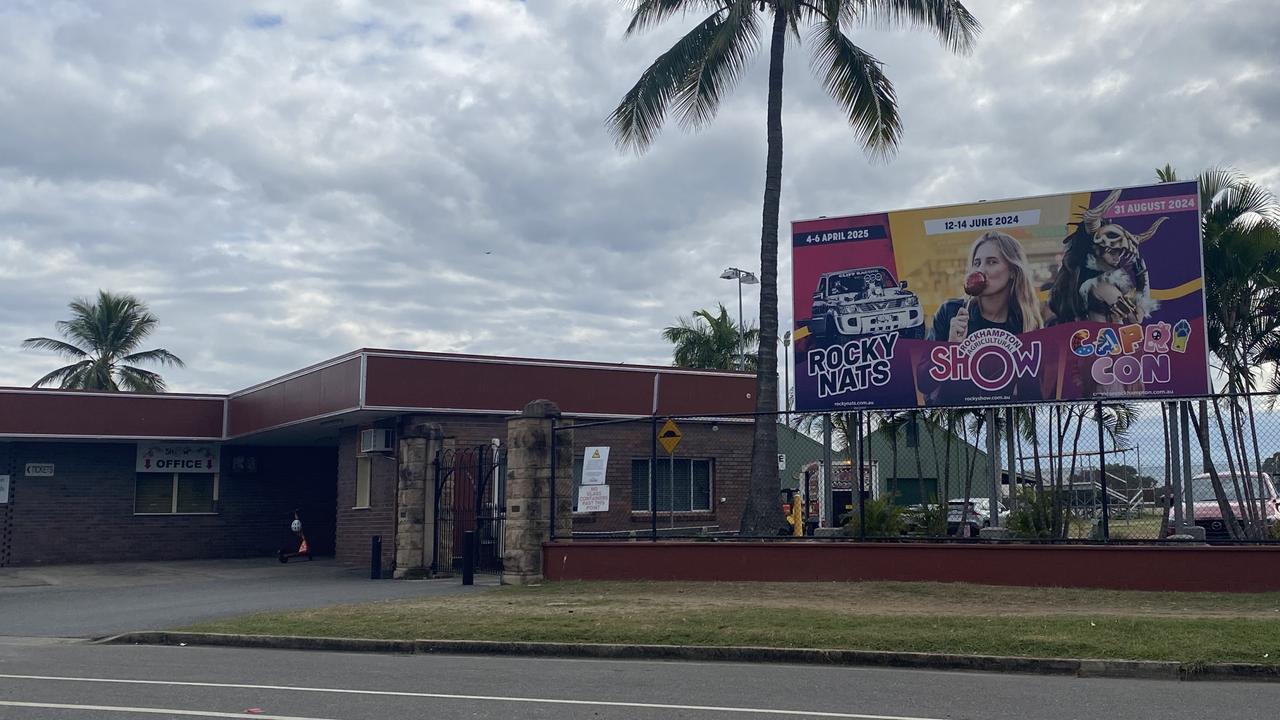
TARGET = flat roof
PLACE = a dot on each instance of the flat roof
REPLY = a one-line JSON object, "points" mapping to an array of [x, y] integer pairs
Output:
{"points": [[368, 384]]}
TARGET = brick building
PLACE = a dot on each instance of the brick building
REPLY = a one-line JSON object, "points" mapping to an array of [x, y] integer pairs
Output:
{"points": [[97, 477]]}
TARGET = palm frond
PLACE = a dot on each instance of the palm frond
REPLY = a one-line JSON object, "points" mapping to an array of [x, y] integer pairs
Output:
{"points": [[957, 29], [135, 379], [52, 345], [636, 121], [62, 374], [651, 13], [159, 355], [857, 82], [736, 39]]}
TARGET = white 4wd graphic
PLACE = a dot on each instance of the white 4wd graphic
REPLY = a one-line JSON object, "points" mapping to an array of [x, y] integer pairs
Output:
{"points": [[864, 301]]}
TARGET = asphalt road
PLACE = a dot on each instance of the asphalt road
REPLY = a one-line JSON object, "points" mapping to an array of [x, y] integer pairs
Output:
{"points": [[99, 600], [47, 678]]}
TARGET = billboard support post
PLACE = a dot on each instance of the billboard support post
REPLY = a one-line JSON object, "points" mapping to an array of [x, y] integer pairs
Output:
{"points": [[1188, 492], [829, 493], [862, 490], [993, 454], [1102, 474], [1010, 429], [1174, 466]]}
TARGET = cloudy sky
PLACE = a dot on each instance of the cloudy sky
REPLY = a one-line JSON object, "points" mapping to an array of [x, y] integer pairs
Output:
{"points": [[286, 181]]}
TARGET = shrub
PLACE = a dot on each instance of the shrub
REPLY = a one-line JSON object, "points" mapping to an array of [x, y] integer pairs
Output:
{"points": [[884, 519], [1033, 517]]}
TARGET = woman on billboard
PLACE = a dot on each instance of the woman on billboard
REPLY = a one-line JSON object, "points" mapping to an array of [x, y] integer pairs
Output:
{"points": [[999, 295], [999, 289]]}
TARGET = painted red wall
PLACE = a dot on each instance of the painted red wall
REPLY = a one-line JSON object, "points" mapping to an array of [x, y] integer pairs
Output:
{"points": [[1158, 568]]}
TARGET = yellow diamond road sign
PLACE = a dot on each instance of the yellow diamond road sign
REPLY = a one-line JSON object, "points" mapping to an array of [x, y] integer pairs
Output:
{"points": [[669, 437]]}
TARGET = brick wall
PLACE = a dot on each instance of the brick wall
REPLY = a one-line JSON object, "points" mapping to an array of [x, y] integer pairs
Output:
{"points": [[6, 516], [726, 445], [357, 526], [84, 513]]}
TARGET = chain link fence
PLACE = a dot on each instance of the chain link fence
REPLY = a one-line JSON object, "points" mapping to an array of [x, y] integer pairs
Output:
{"points": [[1132, 472]]}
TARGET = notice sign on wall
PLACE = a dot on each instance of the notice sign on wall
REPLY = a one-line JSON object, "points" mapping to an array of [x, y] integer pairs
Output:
{"points": [[594, 464], [4, 489], [593, 498], [178, 457]]}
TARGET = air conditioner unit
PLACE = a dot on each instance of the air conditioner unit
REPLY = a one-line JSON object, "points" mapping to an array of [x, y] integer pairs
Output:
{"points": [[375, 440]]}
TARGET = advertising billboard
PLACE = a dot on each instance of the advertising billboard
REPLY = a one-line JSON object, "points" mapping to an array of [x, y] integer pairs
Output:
{"points": [[1077, 296]]}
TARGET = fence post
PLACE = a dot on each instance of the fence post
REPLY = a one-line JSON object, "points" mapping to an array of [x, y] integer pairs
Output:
{"points": [[653, 480], [993, 453], [862, 489], [554, 463], [1102, 475], [829, 491], [1011, 452]]}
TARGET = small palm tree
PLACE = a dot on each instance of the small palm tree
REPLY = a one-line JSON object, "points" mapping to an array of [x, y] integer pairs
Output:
{"points": [[102, 338], [712, 342], [707, 62]]}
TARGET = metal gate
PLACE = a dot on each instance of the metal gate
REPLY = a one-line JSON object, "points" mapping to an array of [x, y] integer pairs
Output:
{"points": [[470, 496]]}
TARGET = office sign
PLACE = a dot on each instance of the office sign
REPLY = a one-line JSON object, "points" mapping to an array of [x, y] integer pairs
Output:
{"points": [[178, 457]]}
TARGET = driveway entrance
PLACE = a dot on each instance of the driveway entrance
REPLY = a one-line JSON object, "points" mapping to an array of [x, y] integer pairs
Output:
{"points": [[107, 599]]}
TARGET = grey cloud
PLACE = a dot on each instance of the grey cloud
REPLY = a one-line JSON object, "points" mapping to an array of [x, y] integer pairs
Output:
{"points": [[396, 174]]}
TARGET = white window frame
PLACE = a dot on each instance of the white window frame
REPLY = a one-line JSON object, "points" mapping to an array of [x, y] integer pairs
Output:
{"points": [[364, 479]]}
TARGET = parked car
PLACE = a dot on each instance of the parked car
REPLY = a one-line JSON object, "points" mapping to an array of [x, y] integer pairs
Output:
{"points": [[864, 301], [1208, 514], [977, 514]]}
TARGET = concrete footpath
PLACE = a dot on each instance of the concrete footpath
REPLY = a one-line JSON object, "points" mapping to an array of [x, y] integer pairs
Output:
{"points": [[86, 601], [1131, 669]]}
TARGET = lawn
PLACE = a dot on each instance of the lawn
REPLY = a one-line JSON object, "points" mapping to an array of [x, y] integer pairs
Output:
{"points": [[912, 617]]}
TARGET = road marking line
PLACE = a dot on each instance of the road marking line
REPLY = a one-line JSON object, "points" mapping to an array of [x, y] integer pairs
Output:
{"points": [[150, 711], [450, 696]]}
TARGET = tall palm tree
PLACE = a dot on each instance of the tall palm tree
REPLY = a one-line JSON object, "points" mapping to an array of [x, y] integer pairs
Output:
{"points": [[1240, 226], [696, 72], [713, 342], [102, 338]]}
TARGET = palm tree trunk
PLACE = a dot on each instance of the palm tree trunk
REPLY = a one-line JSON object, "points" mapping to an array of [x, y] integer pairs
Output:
{"points": [[1035, 445], [762, 514]]}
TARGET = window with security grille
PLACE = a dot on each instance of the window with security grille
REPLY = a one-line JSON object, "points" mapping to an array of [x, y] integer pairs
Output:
{"points": [[683, 485]]}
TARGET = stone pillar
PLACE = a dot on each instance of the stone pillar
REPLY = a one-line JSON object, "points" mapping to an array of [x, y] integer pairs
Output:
{"points": [[529, 463], [415, 495]]}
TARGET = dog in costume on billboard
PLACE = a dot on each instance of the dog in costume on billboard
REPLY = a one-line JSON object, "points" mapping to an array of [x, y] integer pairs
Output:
{"points": [[1103, 277]]}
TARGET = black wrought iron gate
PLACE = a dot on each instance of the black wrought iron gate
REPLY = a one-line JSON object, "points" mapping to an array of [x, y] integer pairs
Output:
{"points": [[470, 495]]}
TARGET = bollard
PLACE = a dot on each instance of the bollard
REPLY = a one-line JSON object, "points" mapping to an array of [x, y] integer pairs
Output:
{"points": [[469, 557], [375, 559]]}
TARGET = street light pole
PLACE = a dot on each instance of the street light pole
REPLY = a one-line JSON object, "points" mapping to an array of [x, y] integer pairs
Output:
{"points": [[749, 278], [786, 377]]}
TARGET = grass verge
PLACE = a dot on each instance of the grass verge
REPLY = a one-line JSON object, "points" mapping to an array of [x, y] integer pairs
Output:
{"points": [[905, 617]]}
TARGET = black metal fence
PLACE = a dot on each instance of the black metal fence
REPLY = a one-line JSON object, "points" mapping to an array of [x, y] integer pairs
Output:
{"points": [[1087, 472]]}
